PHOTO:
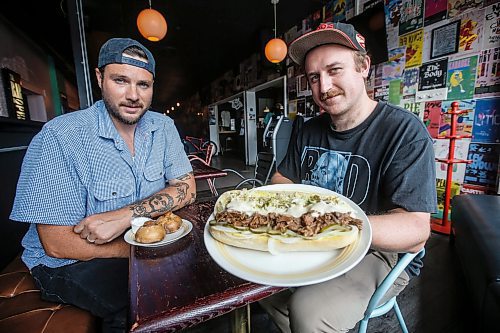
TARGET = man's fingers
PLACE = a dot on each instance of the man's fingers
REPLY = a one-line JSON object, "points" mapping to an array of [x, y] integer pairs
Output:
{"points": [[78, 228]]}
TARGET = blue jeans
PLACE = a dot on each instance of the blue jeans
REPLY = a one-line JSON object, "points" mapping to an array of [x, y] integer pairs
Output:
{"points": [[99, 286]]}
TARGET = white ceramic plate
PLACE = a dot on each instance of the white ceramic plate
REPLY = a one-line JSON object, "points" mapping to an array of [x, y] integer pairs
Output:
{"points": [[185, 228], [294, 268]]}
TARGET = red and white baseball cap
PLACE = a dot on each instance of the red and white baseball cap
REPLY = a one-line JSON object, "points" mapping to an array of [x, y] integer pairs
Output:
{"points": [[326, 33]]}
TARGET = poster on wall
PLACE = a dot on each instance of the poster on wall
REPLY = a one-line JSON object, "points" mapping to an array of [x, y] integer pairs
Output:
{"points": [[395, 92], [487, 121], [461, 78], [426, 51], [328, 11], [435, 11], [432, 81], [457, 7], [488, 73], [410, 82], [471, 31], [394, 67], [414, 44], [378, 76], [491, 31], [440, 191], [381, 93], [441, 151], [412, 16], [432, 117], [338, 10], [415, 108], [483, 169], [465, 121], [445, 40], [432, 75], [392, 10]]}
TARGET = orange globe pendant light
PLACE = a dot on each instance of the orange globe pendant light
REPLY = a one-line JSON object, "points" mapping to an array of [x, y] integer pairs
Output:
{"points": [[276, 48], [151, 24]]}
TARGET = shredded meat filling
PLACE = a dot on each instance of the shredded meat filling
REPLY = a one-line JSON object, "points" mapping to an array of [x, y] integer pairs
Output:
{"points": [[307, 225]]}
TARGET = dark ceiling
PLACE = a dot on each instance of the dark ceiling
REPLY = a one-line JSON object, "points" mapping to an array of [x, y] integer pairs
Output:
{"points": [[205, 38]]}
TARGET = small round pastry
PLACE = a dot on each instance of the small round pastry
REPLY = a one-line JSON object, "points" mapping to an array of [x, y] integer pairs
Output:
{"points": [[150, 232], [170, 222]]}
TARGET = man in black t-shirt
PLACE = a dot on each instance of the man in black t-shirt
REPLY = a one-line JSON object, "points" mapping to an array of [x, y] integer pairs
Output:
{"points": [[378, 155]]}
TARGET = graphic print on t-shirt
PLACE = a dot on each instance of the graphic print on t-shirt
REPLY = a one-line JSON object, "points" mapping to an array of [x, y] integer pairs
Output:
{"points": [[336, 170]]}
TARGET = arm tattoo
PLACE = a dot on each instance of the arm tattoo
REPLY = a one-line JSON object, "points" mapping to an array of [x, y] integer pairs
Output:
{"points": [[157, 203], [163, 202], [182, 189]]}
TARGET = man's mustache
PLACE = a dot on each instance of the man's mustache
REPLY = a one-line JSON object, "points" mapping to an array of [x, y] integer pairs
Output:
{"points": [[329, 94], [132, 105]]}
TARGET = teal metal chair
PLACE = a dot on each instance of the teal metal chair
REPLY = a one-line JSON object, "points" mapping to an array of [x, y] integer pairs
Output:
{"points": [[375, 309]]}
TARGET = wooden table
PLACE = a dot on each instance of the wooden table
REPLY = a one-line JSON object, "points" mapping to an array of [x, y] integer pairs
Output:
{"points": [[178, 285], [202, 170]]}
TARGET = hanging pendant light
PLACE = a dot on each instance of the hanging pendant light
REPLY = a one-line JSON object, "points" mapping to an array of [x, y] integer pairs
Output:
{"points": [[151, 24], [276, 48]]}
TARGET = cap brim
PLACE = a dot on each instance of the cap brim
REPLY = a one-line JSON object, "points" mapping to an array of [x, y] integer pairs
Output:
{"points": [[299, 47]]}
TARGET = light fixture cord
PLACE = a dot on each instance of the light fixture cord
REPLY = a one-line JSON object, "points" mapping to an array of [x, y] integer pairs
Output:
{"points": [[149, 4], [274, 20]]}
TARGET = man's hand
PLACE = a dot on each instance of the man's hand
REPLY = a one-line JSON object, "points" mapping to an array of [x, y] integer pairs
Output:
{"points": [[104, 227]]}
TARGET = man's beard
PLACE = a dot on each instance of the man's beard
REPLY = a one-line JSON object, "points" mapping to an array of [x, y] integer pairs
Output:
{"points": [[114, 112]]}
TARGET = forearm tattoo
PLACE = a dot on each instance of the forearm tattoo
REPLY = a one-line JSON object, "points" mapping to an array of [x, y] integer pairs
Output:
{"points": [[157, 203], [163, 202], [182, 187]]}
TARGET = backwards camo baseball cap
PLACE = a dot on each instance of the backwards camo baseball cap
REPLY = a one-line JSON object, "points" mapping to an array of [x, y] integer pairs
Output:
{"points": [[326, 33], [112, 53]]}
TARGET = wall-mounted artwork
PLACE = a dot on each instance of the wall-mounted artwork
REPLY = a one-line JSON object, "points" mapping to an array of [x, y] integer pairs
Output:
{"points": [[445, 40]]}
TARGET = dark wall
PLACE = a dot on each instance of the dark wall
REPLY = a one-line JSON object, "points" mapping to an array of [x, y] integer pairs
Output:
{"points": [[13, 136]]}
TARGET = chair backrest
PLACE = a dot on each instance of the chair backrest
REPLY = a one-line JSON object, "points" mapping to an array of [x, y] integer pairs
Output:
{"points": [[209, 153], [264, 166], [377, 296]]}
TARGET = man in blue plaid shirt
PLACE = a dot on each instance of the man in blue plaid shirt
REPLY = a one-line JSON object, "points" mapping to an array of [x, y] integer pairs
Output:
{"points": [[87, 174]]}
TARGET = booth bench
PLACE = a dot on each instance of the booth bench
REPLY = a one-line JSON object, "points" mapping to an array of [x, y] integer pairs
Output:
{"points": [[476, 236]]}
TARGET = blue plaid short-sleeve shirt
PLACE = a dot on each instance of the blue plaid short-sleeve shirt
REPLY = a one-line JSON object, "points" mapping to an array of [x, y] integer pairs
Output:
{"points": [[78, 165]]}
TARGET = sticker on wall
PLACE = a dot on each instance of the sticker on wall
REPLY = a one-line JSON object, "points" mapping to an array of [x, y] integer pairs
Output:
{"points": [[431, 95]]}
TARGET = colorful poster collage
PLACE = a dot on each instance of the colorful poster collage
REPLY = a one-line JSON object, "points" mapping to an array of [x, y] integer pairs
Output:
{"points": [[452, 54]]}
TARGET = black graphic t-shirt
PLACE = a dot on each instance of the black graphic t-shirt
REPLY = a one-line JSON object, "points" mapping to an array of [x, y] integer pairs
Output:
{"points": [[384, 163]]}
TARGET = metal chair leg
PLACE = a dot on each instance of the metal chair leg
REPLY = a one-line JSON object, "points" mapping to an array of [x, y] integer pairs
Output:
{"points": [[363, 324], [400, 318]]}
